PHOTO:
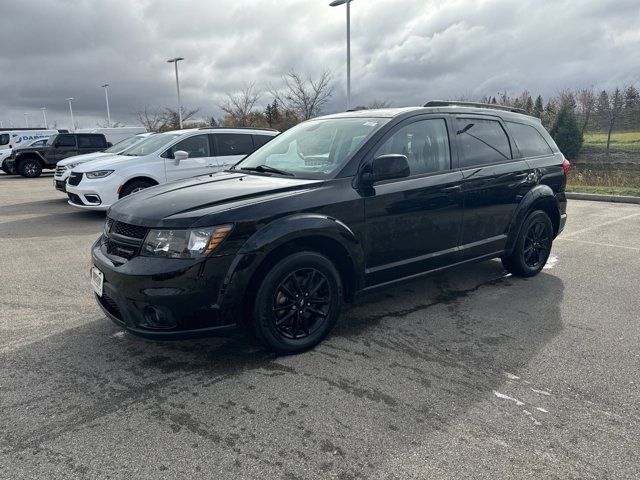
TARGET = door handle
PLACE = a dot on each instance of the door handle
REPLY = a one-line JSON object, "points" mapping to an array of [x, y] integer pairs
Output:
{"points": [[455, 188]]}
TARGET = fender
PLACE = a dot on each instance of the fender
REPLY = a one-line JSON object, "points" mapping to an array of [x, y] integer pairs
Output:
{"points": [[285, 230], [37, 154], [538, 195]]}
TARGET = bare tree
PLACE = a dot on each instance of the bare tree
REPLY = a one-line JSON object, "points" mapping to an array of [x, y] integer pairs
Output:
{"points": [[304, 95], [239, 106], [376, 103], [586, 104], [150, 119], [616, 103]]}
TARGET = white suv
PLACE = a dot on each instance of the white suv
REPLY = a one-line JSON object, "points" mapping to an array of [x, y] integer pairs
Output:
{"points": [[64, 167], [163, 157]]}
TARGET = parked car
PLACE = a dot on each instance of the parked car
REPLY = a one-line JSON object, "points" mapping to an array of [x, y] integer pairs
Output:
{"points": [[63, 167], [29, 162], [114, 134], [331, 208], [18, 138], [161, 158]]}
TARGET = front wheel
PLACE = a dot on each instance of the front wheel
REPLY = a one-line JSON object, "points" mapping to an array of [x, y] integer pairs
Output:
{"points": [[30, 168], [532, 247], [134, 187], [298, 303]]}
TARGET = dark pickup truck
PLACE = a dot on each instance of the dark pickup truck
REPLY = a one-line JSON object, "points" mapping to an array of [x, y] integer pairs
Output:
{"points": [[29, 162]]}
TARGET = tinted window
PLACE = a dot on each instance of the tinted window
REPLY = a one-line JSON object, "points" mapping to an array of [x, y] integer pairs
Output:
{"points": [[196, 146], [425, 144], [260, 140], [4, 139], [66, 141], [529, 141], [481, 142], [233, 144], [91, 141]]}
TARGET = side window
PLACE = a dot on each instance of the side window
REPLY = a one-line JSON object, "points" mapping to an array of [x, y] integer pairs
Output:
{"points": [[233, 144], [481, 142], [66, 141], [196, 146], [425, 143], [84, 141], [97, 141], [529, 141], [4, 139], [260, 140]]}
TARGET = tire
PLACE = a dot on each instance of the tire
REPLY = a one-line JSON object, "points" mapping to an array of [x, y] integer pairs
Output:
{"points": [[532, 247], [135, 186], [29, 167], [7, 170], [283, 320]]}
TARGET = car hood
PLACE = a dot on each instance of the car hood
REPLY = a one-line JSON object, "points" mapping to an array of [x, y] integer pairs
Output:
{"points": [[22, 150], [109, 162], [83, 158], [185, 202]]}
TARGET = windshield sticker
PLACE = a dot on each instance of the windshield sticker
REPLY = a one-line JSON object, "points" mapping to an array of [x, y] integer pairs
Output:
{"points": [[370, 123]]}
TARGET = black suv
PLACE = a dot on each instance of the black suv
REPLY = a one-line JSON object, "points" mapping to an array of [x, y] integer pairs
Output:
{"points": [[30, 161], [330, 208]]}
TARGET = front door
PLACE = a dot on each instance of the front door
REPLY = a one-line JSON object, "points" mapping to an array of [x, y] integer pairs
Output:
{"points": [[199, 162], [413, 224], [494, 183]]}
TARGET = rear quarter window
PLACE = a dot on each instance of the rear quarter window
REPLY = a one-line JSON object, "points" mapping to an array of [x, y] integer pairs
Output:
{"points": [[529, 140]]}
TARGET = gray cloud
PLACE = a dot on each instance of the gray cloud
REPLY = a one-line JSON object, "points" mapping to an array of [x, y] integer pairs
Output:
{"points": [[403, 51]]}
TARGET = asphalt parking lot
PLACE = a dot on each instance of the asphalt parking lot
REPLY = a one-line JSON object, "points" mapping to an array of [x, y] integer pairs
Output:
{"points": [[467, 374]]}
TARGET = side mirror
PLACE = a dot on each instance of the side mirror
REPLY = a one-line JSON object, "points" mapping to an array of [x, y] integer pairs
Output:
{"points": [[179, 156], [387, 167]]}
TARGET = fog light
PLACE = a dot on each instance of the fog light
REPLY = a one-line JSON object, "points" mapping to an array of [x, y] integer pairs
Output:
{"points": [[158, 319], [93, 199]]}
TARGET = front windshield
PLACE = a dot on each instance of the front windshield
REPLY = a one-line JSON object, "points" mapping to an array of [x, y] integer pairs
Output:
{"points": [[313, 149], [122, 145], [151, 144]]}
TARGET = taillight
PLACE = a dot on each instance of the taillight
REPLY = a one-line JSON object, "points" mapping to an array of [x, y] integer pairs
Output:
{"points": [[566, 166]]}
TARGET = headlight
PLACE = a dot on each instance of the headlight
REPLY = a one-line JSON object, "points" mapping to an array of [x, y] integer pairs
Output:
{"points": [[192, 243], [72, 165], [99, 174]]}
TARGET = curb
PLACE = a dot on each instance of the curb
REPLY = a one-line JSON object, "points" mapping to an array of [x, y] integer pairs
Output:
{"points": [[596, 197]]}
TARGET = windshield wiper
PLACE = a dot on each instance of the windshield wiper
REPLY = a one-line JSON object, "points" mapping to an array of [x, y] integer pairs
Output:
{"points": [[267, 169]]}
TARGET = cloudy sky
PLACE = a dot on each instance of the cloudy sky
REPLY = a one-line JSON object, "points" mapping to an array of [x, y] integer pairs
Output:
{"points": [[403, 51]]}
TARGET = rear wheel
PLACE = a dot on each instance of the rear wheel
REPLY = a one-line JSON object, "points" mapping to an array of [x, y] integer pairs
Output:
{"points": [[532, 247], [7, 170], [135, 186], [29, 167], [298, 303]]}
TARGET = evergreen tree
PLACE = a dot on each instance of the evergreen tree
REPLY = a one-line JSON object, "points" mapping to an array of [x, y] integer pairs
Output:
{"points": [[603, 110], [528, 105], [272, 114], [566, 132], [631, 109], [538, 108], [549, 114]]}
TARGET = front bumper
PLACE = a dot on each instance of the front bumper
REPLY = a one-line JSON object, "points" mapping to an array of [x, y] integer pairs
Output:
{"points": [[166, 298], [91, 195]]}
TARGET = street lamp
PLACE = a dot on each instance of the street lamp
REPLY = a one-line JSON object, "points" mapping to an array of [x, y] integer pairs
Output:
{"points": [[337, 3], [44, 116], [73, 124], [26, 119], [106, 97], [175, 62]]}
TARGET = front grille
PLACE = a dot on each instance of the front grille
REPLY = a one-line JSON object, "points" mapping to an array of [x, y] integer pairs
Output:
{"points": [[128, 230], [75, 198], [60, 169], [74, 178], [121, 250], [110, 306]]}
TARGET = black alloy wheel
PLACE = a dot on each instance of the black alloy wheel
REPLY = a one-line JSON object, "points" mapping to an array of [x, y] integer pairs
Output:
{"points": [[297, 303], [30, 168], [532, 247], [301, 303]]}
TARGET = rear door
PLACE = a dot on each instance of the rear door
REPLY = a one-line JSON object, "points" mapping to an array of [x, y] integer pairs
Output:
{"points": [[495, 181], [231, 148], [413, 224], [199, 162]]}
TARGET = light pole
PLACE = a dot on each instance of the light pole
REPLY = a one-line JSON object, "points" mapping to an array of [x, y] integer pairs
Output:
{"points": [[106, 97], [73, 124], [44, 116], [175, 61], [336, 3], [26, 119]]}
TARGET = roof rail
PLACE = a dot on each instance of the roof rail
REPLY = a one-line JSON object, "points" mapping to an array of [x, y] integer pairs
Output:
{"points": [[449, 103], [237, 128]]}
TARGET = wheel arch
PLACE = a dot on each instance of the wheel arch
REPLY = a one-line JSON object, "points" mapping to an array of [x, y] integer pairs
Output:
{"points": [[145, 178], [27, 155], [540, 197]]}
